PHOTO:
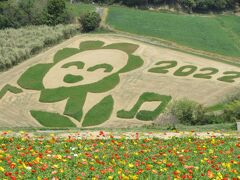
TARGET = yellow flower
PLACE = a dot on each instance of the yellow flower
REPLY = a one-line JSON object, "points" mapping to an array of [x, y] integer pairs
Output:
{"points": [[38, 178], [135, 177], [219, 175], [130, 165], [37, 159], [110, 177], [2, 169], [55, 166], [211, 151], [228, 165]]}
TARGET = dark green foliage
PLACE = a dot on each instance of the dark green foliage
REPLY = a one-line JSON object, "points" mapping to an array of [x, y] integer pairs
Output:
{"points": [[33, 12], [56, 12], [16, 13], [99, 113], [143, 114], [189, 5], [90, 21], [187, 112], [49, 119], [9, 88], [232, 111]]}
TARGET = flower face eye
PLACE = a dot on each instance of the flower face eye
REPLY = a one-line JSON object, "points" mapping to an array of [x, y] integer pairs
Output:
{"points": [[106, 67], [69, 78], [78, 64]]}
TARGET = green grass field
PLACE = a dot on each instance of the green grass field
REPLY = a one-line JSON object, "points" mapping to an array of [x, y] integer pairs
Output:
{"points": [[78, 9], [217, 34]]}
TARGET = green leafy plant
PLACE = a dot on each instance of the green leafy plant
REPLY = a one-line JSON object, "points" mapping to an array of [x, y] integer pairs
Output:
{"points": [[187, 112], [90, 21], [232, 111]]}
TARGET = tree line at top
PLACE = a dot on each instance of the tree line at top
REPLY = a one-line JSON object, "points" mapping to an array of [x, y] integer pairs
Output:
{"points": [[189, 5], [17, 13]]}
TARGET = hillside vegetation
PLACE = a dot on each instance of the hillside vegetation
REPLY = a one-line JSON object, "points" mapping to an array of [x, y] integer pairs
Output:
{"points": [[17, 45], [218, 34], [203, 6]]}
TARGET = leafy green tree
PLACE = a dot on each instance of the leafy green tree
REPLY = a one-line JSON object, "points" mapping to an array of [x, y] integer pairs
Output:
{"points": [[90, 21], [56, 12], [188, 4]]}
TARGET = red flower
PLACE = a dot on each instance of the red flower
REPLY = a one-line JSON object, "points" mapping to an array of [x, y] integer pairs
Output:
{"points": [[101, 133], [13, 178], [12, 165]]}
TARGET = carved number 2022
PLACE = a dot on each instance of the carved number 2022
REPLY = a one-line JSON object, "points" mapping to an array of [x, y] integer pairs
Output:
{"points": [[163, 67]]}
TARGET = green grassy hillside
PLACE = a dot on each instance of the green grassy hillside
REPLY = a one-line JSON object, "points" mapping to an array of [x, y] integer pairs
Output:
{"points": [[218, 34]]}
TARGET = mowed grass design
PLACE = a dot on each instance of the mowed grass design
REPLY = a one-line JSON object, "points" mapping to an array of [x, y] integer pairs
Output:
{"points": [[218, 34], [76, 95], [52, 119], [97, 114], [9, 88], [143, 114]]}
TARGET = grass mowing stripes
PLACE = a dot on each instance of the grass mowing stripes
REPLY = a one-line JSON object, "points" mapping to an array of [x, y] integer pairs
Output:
{"points": [[100, 113], [48, 119], [9, 88], [217, 34], [143, 114]]}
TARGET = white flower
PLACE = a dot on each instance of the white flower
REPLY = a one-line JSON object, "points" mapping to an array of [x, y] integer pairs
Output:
{"points": [[28, 168]]}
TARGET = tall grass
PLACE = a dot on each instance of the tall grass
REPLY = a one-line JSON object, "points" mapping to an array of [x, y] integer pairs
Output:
{"points": [[17, 45]]}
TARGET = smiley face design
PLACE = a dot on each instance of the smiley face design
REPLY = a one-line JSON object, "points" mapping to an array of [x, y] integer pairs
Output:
{"points": [[93, 68]]}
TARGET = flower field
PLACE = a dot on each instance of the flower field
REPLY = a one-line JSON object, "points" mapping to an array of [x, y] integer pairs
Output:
{"points": [[17, 45], [107, 157]]}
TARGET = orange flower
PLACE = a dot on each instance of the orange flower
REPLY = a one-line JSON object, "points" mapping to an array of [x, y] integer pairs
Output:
{"points": [[210, 174], [169, 164]]}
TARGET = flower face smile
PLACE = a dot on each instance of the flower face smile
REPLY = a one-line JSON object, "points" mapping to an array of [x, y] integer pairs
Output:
{"points": [[85, 68]]}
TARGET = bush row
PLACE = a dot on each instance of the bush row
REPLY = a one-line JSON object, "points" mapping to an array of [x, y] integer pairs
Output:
{"points": [[17, 45], [191, 113], [19, 13], [190, 5]]}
